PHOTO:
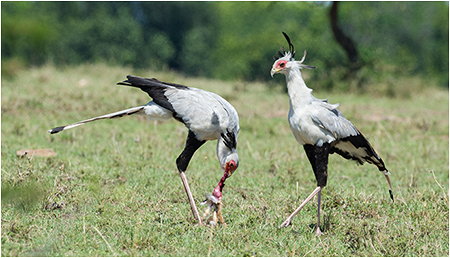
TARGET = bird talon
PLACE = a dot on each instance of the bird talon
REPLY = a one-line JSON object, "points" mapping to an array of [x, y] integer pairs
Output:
{"points": [[318, 232], [285, 224]]}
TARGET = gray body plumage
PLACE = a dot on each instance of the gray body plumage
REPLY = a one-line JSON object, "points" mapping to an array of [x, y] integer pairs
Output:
{"points": [[314, 121], [207, 115], [204, 113]]}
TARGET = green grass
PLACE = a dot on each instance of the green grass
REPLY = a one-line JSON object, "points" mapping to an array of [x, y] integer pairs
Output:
{"points": [[116, 190]]}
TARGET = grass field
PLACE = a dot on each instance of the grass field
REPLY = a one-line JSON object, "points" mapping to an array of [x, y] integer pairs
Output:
{"points": [[113, 188]]}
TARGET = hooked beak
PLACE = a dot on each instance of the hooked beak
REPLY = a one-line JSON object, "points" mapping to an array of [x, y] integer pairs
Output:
{"points": [[230, 167], [273, 71]]}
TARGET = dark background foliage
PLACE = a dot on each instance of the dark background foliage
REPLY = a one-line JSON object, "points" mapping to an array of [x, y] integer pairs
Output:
{"points": [[230, 40]]}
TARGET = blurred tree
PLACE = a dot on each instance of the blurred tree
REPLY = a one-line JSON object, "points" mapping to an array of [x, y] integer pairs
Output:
{"points": [[345, 41], [248, 32], [196, 53], [409, 36], [174, 20], [26, 37], [232, 40]]}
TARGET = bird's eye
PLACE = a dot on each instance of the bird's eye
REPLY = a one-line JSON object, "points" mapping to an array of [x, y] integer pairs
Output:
{"points": [[232, 164], [282, 64]]}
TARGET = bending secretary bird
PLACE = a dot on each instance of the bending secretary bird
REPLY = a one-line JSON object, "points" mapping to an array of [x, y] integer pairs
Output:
{"points": [[320, 127], [206, 115]]}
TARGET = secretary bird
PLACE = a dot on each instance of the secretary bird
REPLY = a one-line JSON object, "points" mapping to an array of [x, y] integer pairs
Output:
{"points": [[207, 116], [320, 127]]}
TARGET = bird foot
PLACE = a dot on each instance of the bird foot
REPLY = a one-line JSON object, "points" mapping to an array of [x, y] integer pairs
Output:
{"points": [[215, 205], [286, 223], [318, 232]]}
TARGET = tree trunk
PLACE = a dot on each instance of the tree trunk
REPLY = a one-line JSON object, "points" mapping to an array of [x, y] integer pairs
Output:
{"points": [[343, 40]]}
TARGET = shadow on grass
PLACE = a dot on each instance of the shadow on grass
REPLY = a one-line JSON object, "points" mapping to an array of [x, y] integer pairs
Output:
{"points": [[325, 224]]}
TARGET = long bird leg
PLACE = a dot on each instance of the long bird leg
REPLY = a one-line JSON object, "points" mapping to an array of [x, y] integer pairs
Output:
{"points": [[390, 187], [318, 232], [189, 195], [287, 222], [318, 157], [192, 144]]}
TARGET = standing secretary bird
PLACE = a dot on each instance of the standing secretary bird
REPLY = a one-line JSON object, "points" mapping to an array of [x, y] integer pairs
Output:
{"points": [[207, 116], [320, 127]]}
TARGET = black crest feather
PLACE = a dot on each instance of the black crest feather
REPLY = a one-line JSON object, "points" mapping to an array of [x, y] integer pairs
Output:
{"points": [[291, 47], [282, 53]]}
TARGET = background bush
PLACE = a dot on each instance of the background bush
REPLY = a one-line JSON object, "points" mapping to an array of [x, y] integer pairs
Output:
{"points": [[231, 40]]}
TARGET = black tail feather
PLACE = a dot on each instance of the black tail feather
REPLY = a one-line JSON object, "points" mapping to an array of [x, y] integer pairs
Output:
{"points": [[56, 129]]}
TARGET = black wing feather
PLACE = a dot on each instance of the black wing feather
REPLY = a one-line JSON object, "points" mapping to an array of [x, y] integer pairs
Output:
{"points": [[155, 89], [359, 141]]}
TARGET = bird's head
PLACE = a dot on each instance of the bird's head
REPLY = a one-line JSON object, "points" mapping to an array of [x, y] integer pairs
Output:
{"points": [[231, 164], [285, 60]]}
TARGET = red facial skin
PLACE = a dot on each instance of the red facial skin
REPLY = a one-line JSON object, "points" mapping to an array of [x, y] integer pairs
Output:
{"points": [[230, 167], [281, 65]]}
